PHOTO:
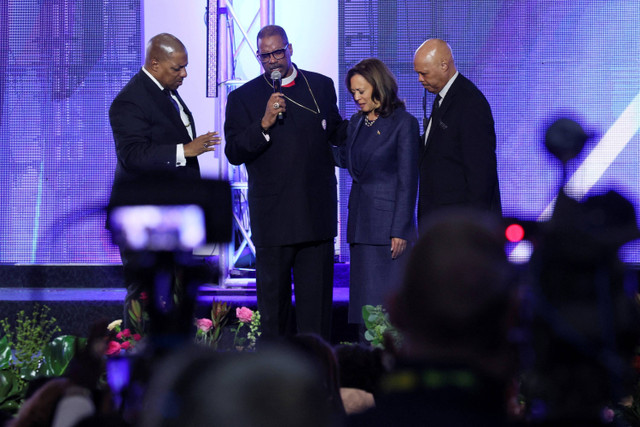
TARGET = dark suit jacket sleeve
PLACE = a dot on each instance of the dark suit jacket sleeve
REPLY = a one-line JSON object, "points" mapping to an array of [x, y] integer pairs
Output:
{"points": [[340, 156], [478, 150], [242, 129], [337, 125], [408, 146], [133, 132], [346, 130]]}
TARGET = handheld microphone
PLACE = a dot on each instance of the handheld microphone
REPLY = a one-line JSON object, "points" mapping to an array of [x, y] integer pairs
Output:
{"points": [[276, 77]]}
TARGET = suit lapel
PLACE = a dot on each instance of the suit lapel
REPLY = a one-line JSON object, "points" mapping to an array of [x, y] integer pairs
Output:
{"points": [[165, 105], [442, 111], [383, 126], [188, 113]]}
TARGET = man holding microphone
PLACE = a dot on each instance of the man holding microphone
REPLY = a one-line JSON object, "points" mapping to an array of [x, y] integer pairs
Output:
{"points": [[281, 125]]}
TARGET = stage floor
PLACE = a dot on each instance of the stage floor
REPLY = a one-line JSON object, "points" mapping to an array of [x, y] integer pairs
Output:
{"points": [[76, 298]]}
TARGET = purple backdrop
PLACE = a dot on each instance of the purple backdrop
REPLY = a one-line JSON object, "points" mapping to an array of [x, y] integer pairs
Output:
{"points": [[62, 62]]}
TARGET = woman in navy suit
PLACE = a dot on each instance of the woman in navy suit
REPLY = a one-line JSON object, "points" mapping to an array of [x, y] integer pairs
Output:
{"points": [[381, 152]]}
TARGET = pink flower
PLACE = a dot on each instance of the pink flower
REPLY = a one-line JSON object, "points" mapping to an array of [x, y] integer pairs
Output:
{"points": [[119, 335], [126, 333], [204, 324], [125, 345], [244, 314], [137, 337], [113, 348]]}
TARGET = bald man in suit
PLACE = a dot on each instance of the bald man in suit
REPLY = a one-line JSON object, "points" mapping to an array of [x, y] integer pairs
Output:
{"points": [[458, 166]]}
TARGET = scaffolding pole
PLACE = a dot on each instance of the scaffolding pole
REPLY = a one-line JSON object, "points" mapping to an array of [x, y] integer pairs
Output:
{"points": [[233, 37]]}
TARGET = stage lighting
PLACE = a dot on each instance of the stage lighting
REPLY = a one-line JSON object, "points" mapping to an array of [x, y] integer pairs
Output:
{"points": [[514, 233]]}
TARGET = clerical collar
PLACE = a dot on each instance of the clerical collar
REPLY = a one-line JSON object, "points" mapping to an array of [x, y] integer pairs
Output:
{"points": [[289, 81], [153, 79]]}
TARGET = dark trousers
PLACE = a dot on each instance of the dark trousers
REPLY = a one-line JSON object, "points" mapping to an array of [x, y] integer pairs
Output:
{"points": [[312, 267]]}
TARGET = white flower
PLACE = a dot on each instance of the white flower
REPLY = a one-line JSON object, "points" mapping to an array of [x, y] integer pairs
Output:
{"points": [[114, 324]]}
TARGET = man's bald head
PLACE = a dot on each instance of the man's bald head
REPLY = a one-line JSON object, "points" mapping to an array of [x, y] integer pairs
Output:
{"points": [[433, 61], [163, 46], [166, 60]]}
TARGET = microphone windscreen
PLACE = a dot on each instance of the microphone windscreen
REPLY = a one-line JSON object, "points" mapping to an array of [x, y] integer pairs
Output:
{"points": [[275, 75]]}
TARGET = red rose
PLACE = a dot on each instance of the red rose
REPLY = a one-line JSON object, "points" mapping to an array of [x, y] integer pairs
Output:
{"points": [[126, 333], [137, 337], [125, 345], [113, 348], [143, 296], [119, 335]]}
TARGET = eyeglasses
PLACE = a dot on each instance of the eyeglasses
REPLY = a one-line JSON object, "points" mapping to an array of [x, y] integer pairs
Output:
{"points": [[277, 54]]}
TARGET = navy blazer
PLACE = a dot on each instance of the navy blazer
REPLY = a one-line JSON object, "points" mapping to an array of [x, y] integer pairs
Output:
{"points": [[146, 129], [292, 184], [458, 166], [382, 200]]}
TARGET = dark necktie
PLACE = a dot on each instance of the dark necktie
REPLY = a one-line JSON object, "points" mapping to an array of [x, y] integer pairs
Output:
{"points": [[173, 101], [435, 107], [434, 110]]}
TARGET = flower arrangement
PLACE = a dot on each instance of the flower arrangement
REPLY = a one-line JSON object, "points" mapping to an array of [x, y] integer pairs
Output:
{"points": [[27, 352], [123, 339], [209, 331], [251, 318]]}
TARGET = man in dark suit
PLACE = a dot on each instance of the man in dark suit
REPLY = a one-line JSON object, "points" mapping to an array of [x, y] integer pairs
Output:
{"points": [[153, 129], [292, 184], [458, 166]]}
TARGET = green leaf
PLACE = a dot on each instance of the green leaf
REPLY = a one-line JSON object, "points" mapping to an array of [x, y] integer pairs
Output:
{"points": [[10, 385], [28, 373], [57, 355], [5, 353], [11, 391], [135, 309]]}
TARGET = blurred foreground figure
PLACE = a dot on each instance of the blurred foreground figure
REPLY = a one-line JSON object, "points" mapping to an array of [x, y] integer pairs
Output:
{"points": [[454, 309], [584, 323], [583, 318], [274, 387]]}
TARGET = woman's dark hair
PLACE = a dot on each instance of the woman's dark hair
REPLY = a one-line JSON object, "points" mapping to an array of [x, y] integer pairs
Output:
{"points": [[385, 87]]}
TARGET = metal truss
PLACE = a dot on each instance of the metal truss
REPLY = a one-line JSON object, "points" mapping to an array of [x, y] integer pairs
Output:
{"points": [[234, 42]]}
